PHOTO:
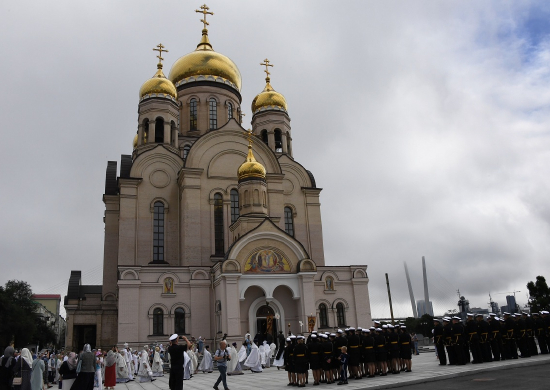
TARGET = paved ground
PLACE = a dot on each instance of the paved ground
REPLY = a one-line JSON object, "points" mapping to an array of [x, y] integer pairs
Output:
{"points": [[425, 369]]}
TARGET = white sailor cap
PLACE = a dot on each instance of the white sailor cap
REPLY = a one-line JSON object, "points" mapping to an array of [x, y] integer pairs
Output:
{"points": [[313, 336], [544, 312], [288, 339], [292, 337], [366, 330], [327, 333], [456, 318], [492, 314], [390, 326], [324, 336], [377, 322], [332, 335], [379, 329], [347, 329], [403, 327], [435, 320], [384, 326], [498, 318], [314, 332], [534, 314], [359, 328], [300, 337], [173, 337], [372, 328], [469, 314], [479, 315], [517, 314], [352, 328], [513, 315]]}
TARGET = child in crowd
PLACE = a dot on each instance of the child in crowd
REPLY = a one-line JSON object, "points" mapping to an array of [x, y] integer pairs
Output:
{"points": [[344, 366]]}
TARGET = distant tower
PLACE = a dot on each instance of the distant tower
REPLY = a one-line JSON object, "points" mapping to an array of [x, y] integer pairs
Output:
{"points": [[426, 296], [411, 294]]}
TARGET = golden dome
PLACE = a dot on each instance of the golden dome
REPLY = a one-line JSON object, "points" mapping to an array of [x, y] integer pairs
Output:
{"points": [[204, 61], [135, 141], [268, 99], [159, 85], [251, 168]]}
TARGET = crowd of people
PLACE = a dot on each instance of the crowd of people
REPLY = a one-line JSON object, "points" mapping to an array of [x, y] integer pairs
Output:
{"points": [[481, 340]]}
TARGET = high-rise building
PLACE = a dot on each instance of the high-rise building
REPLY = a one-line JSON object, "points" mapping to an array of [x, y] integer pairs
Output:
{"points": [[420, 308]]}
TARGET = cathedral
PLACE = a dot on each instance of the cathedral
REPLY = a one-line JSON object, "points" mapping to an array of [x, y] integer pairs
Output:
{"points": [[211, 229]]}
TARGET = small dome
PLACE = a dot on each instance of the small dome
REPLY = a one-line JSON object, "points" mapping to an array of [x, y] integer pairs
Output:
{"points": [[204, 61], [268, 99], [251, 168], [159, 85]]}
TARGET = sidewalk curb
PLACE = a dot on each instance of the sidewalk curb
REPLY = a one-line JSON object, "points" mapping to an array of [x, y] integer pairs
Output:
{"points": [[478, 370]]}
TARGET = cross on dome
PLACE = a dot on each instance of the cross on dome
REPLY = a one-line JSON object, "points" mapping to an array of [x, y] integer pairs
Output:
{"points": [[160, 49], [266, 64], [205, 12]]}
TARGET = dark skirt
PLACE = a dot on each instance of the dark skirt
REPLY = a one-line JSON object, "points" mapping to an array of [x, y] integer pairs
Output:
{"points": [[381, 355], [316, 365], [327, 366], [405, 352], [289, 367], [370, 356], [301, 367], [84, 381]]}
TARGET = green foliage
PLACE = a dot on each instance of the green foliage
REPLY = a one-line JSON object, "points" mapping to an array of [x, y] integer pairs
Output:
{"points": [[539, 295], [422, 325], [20, 323]]}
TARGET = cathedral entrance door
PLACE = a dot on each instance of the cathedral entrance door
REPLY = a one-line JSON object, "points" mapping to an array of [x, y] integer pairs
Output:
{"points": [[266, 325]]}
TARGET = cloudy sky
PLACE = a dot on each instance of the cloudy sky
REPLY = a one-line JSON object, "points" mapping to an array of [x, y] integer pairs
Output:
{"points": [[426, 123]]}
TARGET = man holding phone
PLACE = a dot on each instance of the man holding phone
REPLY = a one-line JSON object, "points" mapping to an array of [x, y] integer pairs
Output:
{"points": [[222, 357]]}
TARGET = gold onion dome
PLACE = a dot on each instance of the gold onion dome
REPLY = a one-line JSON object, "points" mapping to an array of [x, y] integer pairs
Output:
{"points": [[158, 85], [268, 99], [205, 62], [250, 168]]}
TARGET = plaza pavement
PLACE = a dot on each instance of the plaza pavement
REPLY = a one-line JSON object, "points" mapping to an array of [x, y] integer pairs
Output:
{"points": [[425, 369]]}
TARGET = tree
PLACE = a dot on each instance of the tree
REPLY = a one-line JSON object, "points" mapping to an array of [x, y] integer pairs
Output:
{"points": [[539, 294]]}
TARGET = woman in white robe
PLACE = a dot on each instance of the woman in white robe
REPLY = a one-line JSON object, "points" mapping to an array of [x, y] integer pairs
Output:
{"points": [[254, 360], [158, 369], [186, 366], [207, 364], [121, 369], [194, 363], [262, 349], [145, 374]]}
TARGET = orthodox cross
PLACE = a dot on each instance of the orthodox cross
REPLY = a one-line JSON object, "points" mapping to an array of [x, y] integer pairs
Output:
{"points": [[266, 64], [160, 50], [205, 12], [250, 141]]}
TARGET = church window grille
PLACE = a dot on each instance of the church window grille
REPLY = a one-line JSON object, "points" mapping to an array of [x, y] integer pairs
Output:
{"points": [[179, 321], [193, 114], [229, 111], [213, 113], [234, 205], [158, 322], [340, 314], [278, 141], [186, 149], [159, 130], [289, 221], [158, 232], [323, 317], [218, 224], [264, 137]]}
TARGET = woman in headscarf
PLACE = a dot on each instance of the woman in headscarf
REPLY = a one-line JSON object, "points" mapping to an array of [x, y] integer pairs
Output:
{"points": [[158, 368], [37, 376], [67, 371], [85, 378], [254, 361], [23, 369], [110, 368], [6, 369]]}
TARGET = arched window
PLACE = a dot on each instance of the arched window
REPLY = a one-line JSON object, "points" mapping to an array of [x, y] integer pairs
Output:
{"points": [[145, 126], [229, 110], [213, 114], [173, 133], [159, 130], [186, 149], [289, 221], [158, 232], [218, 225], [179, 321], [158, 321], [234, 205], [278, 141], [264, 137], [193, 114], [288, 146], [256, 197], [323, 317], [246, 198], [340, 314]]}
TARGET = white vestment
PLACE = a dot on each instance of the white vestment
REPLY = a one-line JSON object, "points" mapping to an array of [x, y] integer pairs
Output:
{"points": [[194, 364], [207, 364], [121, 369], [144, 372], [281, 361], [186, 366], [234, 365], [158, 369], [128, 359], [254, 361]]}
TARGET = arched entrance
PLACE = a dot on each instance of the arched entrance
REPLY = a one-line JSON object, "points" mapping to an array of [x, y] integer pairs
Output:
{"points": [[266, 324]]}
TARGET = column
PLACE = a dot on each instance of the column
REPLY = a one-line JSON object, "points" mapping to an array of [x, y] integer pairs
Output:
{"points": [[140, 135], [151, 132], [271, 140], [283, 140], [175, 137], [167, 131]]}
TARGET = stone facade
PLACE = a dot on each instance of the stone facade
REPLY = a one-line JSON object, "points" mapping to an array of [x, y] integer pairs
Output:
{"points": [[232, 258]]}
